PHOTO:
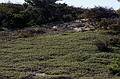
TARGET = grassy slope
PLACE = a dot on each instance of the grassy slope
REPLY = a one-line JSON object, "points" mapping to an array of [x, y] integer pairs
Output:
{"points": [[71, 54]]}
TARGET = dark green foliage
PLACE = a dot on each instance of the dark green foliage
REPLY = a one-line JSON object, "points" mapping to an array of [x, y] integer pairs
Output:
{"points": [[115, 27], [14, 16], [52, 13], [37, 12], [114, 41], [103, 46], [111, 24], [11, 16], [100, 12], [40, 3], [105, 23], [47, 11]]}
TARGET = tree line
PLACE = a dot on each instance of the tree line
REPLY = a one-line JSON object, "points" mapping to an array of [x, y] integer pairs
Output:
{"points": [[37, 12]]}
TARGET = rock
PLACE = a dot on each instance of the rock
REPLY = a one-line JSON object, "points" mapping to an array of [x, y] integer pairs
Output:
{"points": [[41, 74], [54, 27], [93, 28], [84, 20], [108, 28], [78, 21], [87, 29], [78, 29]]}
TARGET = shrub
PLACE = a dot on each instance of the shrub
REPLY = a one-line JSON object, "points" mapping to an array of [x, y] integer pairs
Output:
{"points": [[115, 27], [104, 23], [100, 12], [113, 24], [29, 32], [102, 46], [114, 40], [115, 67]]}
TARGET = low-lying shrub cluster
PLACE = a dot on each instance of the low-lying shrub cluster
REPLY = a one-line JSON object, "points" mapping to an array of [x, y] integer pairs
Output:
{"points": [[114, 40], [29, 32], [114, 67], [106, 45], [103, 46], [110, 24]]}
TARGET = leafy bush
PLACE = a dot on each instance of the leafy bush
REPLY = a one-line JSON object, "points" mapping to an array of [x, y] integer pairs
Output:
{"points": [[100, 12], [11, 16], [103, 46], [115, 27], [115, 67], [115, 40], [104, 23], [110, 24]]}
